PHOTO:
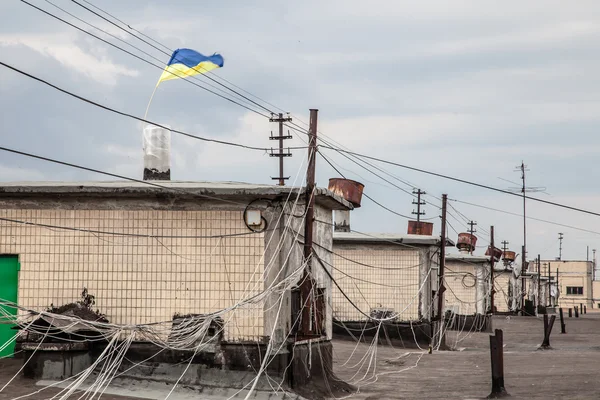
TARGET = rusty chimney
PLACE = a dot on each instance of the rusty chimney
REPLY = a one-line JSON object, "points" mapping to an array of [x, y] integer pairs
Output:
{"points": [[497, 252], [352, 192], [466, 242], [157, 153], [420, 228]]}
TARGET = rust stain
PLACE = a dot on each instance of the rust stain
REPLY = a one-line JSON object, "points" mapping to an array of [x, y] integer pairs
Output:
{"points": [[348, 189]]}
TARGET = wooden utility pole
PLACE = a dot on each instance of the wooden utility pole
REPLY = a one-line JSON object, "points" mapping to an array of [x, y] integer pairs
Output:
{"points": [[560, 239], [418, 203], [306, 287], [557, 287], [441, 287], [539, 266], [472, 231], [280, 154], [492, 261]]}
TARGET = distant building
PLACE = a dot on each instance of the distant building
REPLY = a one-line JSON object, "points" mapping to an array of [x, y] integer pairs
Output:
{"points": [[467, 282], [385, 276], [575, 281]]}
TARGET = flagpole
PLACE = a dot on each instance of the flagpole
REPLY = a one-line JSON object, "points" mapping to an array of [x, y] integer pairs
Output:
{"points": [[150, 101]]}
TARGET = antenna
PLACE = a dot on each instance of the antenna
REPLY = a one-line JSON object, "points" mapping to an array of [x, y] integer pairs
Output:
{"points": [[524, 189]]}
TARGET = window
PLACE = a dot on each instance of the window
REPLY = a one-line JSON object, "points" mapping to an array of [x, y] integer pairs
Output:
{"points": [[576, 290]]}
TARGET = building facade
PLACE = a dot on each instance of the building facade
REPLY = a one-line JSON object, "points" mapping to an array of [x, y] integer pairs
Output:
{"points": [[149, 254], [467, 283], [384, 275], [575, 281]]}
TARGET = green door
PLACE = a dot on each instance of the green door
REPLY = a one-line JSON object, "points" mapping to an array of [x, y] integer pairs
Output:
{"points": [[9, 283]]}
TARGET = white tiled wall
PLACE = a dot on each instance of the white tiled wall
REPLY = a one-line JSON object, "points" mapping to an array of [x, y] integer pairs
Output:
{"points": [[139, 279]]}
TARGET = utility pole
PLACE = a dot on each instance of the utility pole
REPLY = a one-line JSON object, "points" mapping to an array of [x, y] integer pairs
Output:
{"points": [[547, 268], [441, 287], [523, 281], [539, 263], [492, 261], [280, 154], [504, 246], [594, 264], [306, 287], [549, 283], [419, 203], [557, 287], [560, 238], [472, 230], [523, 190]]}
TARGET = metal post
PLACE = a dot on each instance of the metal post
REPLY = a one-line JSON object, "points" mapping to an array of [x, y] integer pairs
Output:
{"points": [[307, 283], [523, 280], [585, 309], [548, 330], [562, 321], [492, 260], [524, 252], [497, 358], [570, 313]]}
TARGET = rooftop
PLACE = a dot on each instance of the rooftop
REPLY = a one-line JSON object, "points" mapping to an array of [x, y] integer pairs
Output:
{"points": [[149, 188], [358, 237], [468, 258]]}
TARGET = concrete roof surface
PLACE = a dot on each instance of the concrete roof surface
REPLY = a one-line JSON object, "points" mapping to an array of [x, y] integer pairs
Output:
{"points": [[389, 237], [467, 258], [216, 189]]}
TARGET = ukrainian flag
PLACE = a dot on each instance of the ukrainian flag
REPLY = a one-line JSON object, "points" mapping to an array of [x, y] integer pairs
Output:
{"points": [[187, 62]]}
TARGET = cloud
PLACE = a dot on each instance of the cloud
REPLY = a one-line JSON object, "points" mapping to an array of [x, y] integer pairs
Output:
{"points": [[65, 51]]}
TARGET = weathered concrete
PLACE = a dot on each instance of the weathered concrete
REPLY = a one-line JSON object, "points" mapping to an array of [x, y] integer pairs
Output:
{"points": [[398, 334], [55, 364], [569, 371], [469, 323], [35, 193]]}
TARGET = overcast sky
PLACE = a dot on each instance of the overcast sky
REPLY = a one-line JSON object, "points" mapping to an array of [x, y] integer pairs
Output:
{"points": [[465, 88]]}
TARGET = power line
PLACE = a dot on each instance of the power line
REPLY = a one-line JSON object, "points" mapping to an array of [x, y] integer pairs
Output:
{"points": [[531, 218], [126, 43], [141, 58], [168, 54], [169, 49], [125, 234], [150, 183], [364, 194], [84, 99], [464, 181]]}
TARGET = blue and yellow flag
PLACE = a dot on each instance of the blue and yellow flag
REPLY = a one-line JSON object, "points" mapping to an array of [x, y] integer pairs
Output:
{"points": [[187, 62]]}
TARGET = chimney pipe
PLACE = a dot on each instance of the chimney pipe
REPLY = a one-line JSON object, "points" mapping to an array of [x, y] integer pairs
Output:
{"points": [[157, 153], [342, 221]]}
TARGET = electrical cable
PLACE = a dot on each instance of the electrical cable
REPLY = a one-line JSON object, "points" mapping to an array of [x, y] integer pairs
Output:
{"points": [[169, 53], [115, 111], [127, 43], [140, 58], [466, 182]]}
